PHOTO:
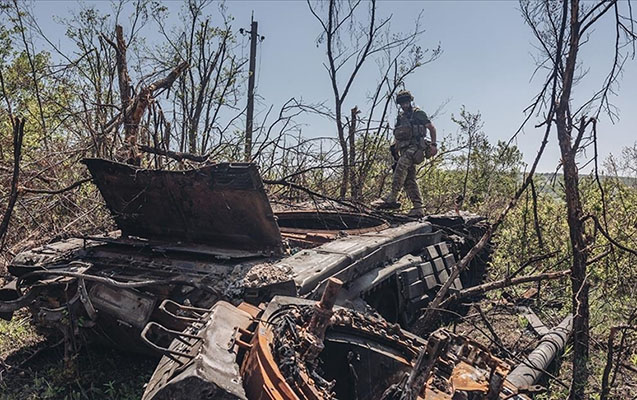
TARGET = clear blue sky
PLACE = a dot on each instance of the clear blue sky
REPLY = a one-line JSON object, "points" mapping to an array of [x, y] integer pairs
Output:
{"points": [[486, 65]]}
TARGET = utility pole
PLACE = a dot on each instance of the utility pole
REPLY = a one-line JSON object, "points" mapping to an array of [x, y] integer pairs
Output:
{"points": [[250, 110]]}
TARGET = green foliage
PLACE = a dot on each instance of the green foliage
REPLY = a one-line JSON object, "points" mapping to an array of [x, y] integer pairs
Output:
{"points": [[612, 278], [522, 321], [15, 333], [486, 175], [20, 90]]}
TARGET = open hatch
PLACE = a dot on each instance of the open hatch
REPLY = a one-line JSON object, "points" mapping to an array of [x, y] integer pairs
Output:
{"points": [[222, 205]]}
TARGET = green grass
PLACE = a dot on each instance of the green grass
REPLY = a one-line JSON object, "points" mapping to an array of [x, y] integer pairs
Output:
{"points": [[17, 333], [95, 373]]}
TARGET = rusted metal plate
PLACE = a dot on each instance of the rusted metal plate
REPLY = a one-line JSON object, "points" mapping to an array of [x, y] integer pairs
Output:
{"points": [[212, 371], [222, 205], [277, 366], [467, 378]]}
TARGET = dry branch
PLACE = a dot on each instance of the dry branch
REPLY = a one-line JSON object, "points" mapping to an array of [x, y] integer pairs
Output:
{"points": [[598, 225], [58, 191], [487, 323], [137, 108], [533, 260], [174, 154], [486, 287], [133, 108], [312, 193]]}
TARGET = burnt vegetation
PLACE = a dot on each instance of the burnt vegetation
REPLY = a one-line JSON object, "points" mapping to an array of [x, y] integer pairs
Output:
{"points": [[547, 245]]}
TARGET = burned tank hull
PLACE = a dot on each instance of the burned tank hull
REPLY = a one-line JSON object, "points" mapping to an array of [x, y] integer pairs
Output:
{"points": [[188, 239], [263, 353]]}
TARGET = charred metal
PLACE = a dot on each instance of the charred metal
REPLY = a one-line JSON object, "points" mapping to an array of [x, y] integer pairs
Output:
{"points": [[242, 302]]}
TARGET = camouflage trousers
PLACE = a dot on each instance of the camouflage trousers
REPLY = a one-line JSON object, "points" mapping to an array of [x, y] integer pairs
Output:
{"points": [[405, 176]]}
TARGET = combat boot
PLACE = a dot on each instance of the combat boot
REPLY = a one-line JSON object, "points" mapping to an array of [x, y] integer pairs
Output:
{"points": [[418, 209], [387, 202], [416, 212]]}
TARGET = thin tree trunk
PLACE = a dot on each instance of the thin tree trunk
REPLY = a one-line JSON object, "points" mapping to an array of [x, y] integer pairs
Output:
{"points": [[536, 218], [18, 136], [124, 78], [343, 142], [574, 215], [353, 182]]}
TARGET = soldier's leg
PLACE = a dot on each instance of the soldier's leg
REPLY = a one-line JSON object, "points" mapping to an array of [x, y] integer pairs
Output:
{"points": [[405, 160], [400, 175], [411, 187], [413, 192]]}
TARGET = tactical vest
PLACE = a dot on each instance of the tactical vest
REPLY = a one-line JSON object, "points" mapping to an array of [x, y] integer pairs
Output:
{"points": [[410, 130]]}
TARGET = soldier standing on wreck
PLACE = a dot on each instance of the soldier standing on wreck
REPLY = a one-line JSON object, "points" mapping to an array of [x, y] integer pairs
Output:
{"points": [[409, 149]]}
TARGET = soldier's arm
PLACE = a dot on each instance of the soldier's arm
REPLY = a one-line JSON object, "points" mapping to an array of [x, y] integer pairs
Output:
{"points": [[423, 119], [432, 132], [433, 147]]}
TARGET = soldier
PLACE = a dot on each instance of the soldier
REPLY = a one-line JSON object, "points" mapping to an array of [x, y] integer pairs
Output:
{"points": [[409, 149]]}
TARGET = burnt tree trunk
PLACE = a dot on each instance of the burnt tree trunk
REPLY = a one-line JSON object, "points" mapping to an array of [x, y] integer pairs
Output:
{"points": [[343, 142], [354, 183], [18, 136], [125, 90], [568, 151]]}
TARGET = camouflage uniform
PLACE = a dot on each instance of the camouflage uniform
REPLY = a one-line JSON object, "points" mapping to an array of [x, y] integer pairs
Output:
{"points": [[411, 152]]}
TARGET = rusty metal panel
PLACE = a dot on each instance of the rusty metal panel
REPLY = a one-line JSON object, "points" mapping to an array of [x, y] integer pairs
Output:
{"points": [[223, 205], [211, 371]]}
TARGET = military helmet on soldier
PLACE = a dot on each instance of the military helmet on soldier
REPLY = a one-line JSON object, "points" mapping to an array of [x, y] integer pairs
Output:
{"points": [[404, 96]]}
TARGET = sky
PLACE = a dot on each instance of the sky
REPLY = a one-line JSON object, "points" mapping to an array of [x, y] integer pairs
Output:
{"points": [[487, 65]]}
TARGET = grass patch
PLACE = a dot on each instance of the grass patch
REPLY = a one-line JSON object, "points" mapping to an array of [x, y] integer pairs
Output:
{"points": [[17, 333], [32, 368], [95, 373]]}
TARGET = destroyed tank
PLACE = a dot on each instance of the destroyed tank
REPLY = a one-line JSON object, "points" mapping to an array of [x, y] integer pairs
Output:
{"points": [[297, 349], [190, 239]]}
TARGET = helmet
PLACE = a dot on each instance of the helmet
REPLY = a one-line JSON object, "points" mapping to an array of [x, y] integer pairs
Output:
{"points": [[403, 96]]}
